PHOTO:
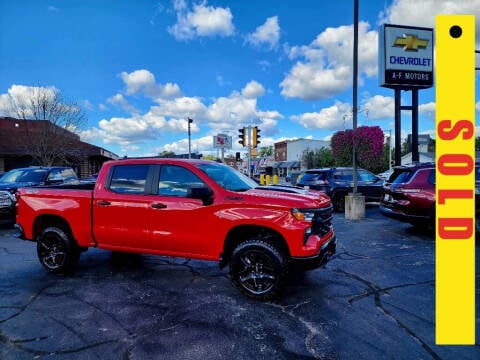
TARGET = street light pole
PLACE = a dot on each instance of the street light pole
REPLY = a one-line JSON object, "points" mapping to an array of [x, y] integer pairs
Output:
{"points": [[189, 139], [390, 149], [355, 86]]}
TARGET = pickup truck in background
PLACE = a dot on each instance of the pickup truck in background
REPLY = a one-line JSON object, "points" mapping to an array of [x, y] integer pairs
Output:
{"points": [[183, 208], [28, 177]]}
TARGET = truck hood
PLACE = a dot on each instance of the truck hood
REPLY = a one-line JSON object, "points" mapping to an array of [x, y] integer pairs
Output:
{"points": [[310, 199]]}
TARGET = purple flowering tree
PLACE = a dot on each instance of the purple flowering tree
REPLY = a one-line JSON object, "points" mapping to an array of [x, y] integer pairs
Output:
{"points": [[369, 144]]}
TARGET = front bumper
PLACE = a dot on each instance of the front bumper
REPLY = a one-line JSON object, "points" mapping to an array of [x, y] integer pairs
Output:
{"points": [[321, 258], [7, 215], [399, 215]]}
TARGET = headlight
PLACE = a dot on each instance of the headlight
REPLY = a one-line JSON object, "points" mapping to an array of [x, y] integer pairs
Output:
{"points": [[303, 215]]}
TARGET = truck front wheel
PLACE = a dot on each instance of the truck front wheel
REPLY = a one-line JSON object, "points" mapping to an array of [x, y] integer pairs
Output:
{"points": [[257, 269], [57, 252]]}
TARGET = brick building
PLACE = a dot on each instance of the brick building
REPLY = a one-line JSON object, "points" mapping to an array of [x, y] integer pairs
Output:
{"points": [[85, 158]]}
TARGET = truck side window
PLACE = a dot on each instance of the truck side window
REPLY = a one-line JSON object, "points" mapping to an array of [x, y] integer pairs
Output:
{"points": [[129, 179], [176, 180]]}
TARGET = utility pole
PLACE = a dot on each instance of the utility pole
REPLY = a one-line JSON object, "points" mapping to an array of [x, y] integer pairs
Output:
{"points": [[249, 147], [189, 139], [355, 89]]}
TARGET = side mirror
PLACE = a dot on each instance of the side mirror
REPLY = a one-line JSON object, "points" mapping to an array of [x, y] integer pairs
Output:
{"points": [[202, 192]]}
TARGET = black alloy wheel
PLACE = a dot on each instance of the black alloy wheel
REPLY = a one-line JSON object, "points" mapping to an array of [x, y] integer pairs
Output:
{"points": [[56, 251], [258, 269]]}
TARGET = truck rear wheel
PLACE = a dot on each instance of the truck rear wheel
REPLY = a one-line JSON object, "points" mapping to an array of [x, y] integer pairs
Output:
{"points": [[57, 252], [257, 269]]}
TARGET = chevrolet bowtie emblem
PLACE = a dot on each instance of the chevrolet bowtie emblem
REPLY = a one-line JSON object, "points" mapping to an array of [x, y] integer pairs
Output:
{"points": [[410, 42]]}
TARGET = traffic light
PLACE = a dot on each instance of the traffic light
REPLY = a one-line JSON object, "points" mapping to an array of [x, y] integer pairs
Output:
{"points": [[241, 135], [237, 156], [255, 136]]}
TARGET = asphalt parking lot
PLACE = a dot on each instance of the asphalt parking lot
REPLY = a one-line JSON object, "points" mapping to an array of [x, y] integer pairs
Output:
{"points": [[373, 300]]}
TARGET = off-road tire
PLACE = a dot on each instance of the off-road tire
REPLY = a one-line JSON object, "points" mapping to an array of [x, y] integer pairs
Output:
{"points": [[258, 269], [57, 251]]}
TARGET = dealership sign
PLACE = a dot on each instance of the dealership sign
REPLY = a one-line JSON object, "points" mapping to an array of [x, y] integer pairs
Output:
{"points": [[405, 56], [222, 141]]}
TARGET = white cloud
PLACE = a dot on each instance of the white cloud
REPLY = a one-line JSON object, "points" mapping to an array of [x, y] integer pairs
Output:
{"points": [[427, 109], [380, 107], [181, 107], [169, 116], [400, 12], [203, 144], [202, 21], [383, 108], [22, 95], [253, 90], [327, 68], [87, 105], [4, 105], [137, 130], [332, 118], [119, 100], [143, 81], [268, 34]]}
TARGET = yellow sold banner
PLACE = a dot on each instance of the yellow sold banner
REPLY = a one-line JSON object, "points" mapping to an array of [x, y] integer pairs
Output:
{"points": [[455, 180]]}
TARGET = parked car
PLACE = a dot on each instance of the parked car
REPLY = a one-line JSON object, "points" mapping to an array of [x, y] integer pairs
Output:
{"points": [[292, 177], [410, 195], [28, 177], [338, 182], [7, 208], [386, 174]]}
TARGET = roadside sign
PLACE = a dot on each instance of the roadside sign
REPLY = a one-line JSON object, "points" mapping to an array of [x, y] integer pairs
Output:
{"points": [[222, 141]]}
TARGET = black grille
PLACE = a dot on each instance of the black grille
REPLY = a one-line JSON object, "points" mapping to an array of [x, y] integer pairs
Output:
{"points": [[322, 221]]}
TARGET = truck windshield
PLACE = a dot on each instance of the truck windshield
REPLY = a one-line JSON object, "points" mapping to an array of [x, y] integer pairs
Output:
{"points": [[227, 177]]}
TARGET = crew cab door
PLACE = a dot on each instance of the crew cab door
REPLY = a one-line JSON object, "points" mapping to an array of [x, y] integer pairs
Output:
{"points": [[181, 225], [121, 208]]}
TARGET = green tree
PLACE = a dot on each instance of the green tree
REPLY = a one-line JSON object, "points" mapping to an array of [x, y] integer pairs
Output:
{"points": [[323, 158], [166, 154], [209, 157], [308, 159], [405, 147], [265, 151]]}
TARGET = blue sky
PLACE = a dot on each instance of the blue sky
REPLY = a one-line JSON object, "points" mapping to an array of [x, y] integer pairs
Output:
{"points": [[139, 69]]}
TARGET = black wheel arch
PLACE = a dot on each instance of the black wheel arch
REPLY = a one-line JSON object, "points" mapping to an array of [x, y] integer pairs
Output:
{"points": [[44, 221], [247, 232]]}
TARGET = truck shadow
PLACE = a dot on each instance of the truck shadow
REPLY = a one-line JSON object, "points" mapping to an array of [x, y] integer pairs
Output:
{"points": [[126, 261]]}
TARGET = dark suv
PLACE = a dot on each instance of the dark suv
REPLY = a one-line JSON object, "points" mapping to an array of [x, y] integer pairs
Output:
{"points": [[338, 182], [27, 177], [410, 194]]}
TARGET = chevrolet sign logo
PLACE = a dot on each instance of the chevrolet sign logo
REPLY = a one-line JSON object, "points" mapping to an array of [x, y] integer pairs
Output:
{"points": [[410, 42]]}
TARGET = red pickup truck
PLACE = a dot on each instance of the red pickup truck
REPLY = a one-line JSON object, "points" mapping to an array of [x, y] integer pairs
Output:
{"points": [[184, 208]]}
